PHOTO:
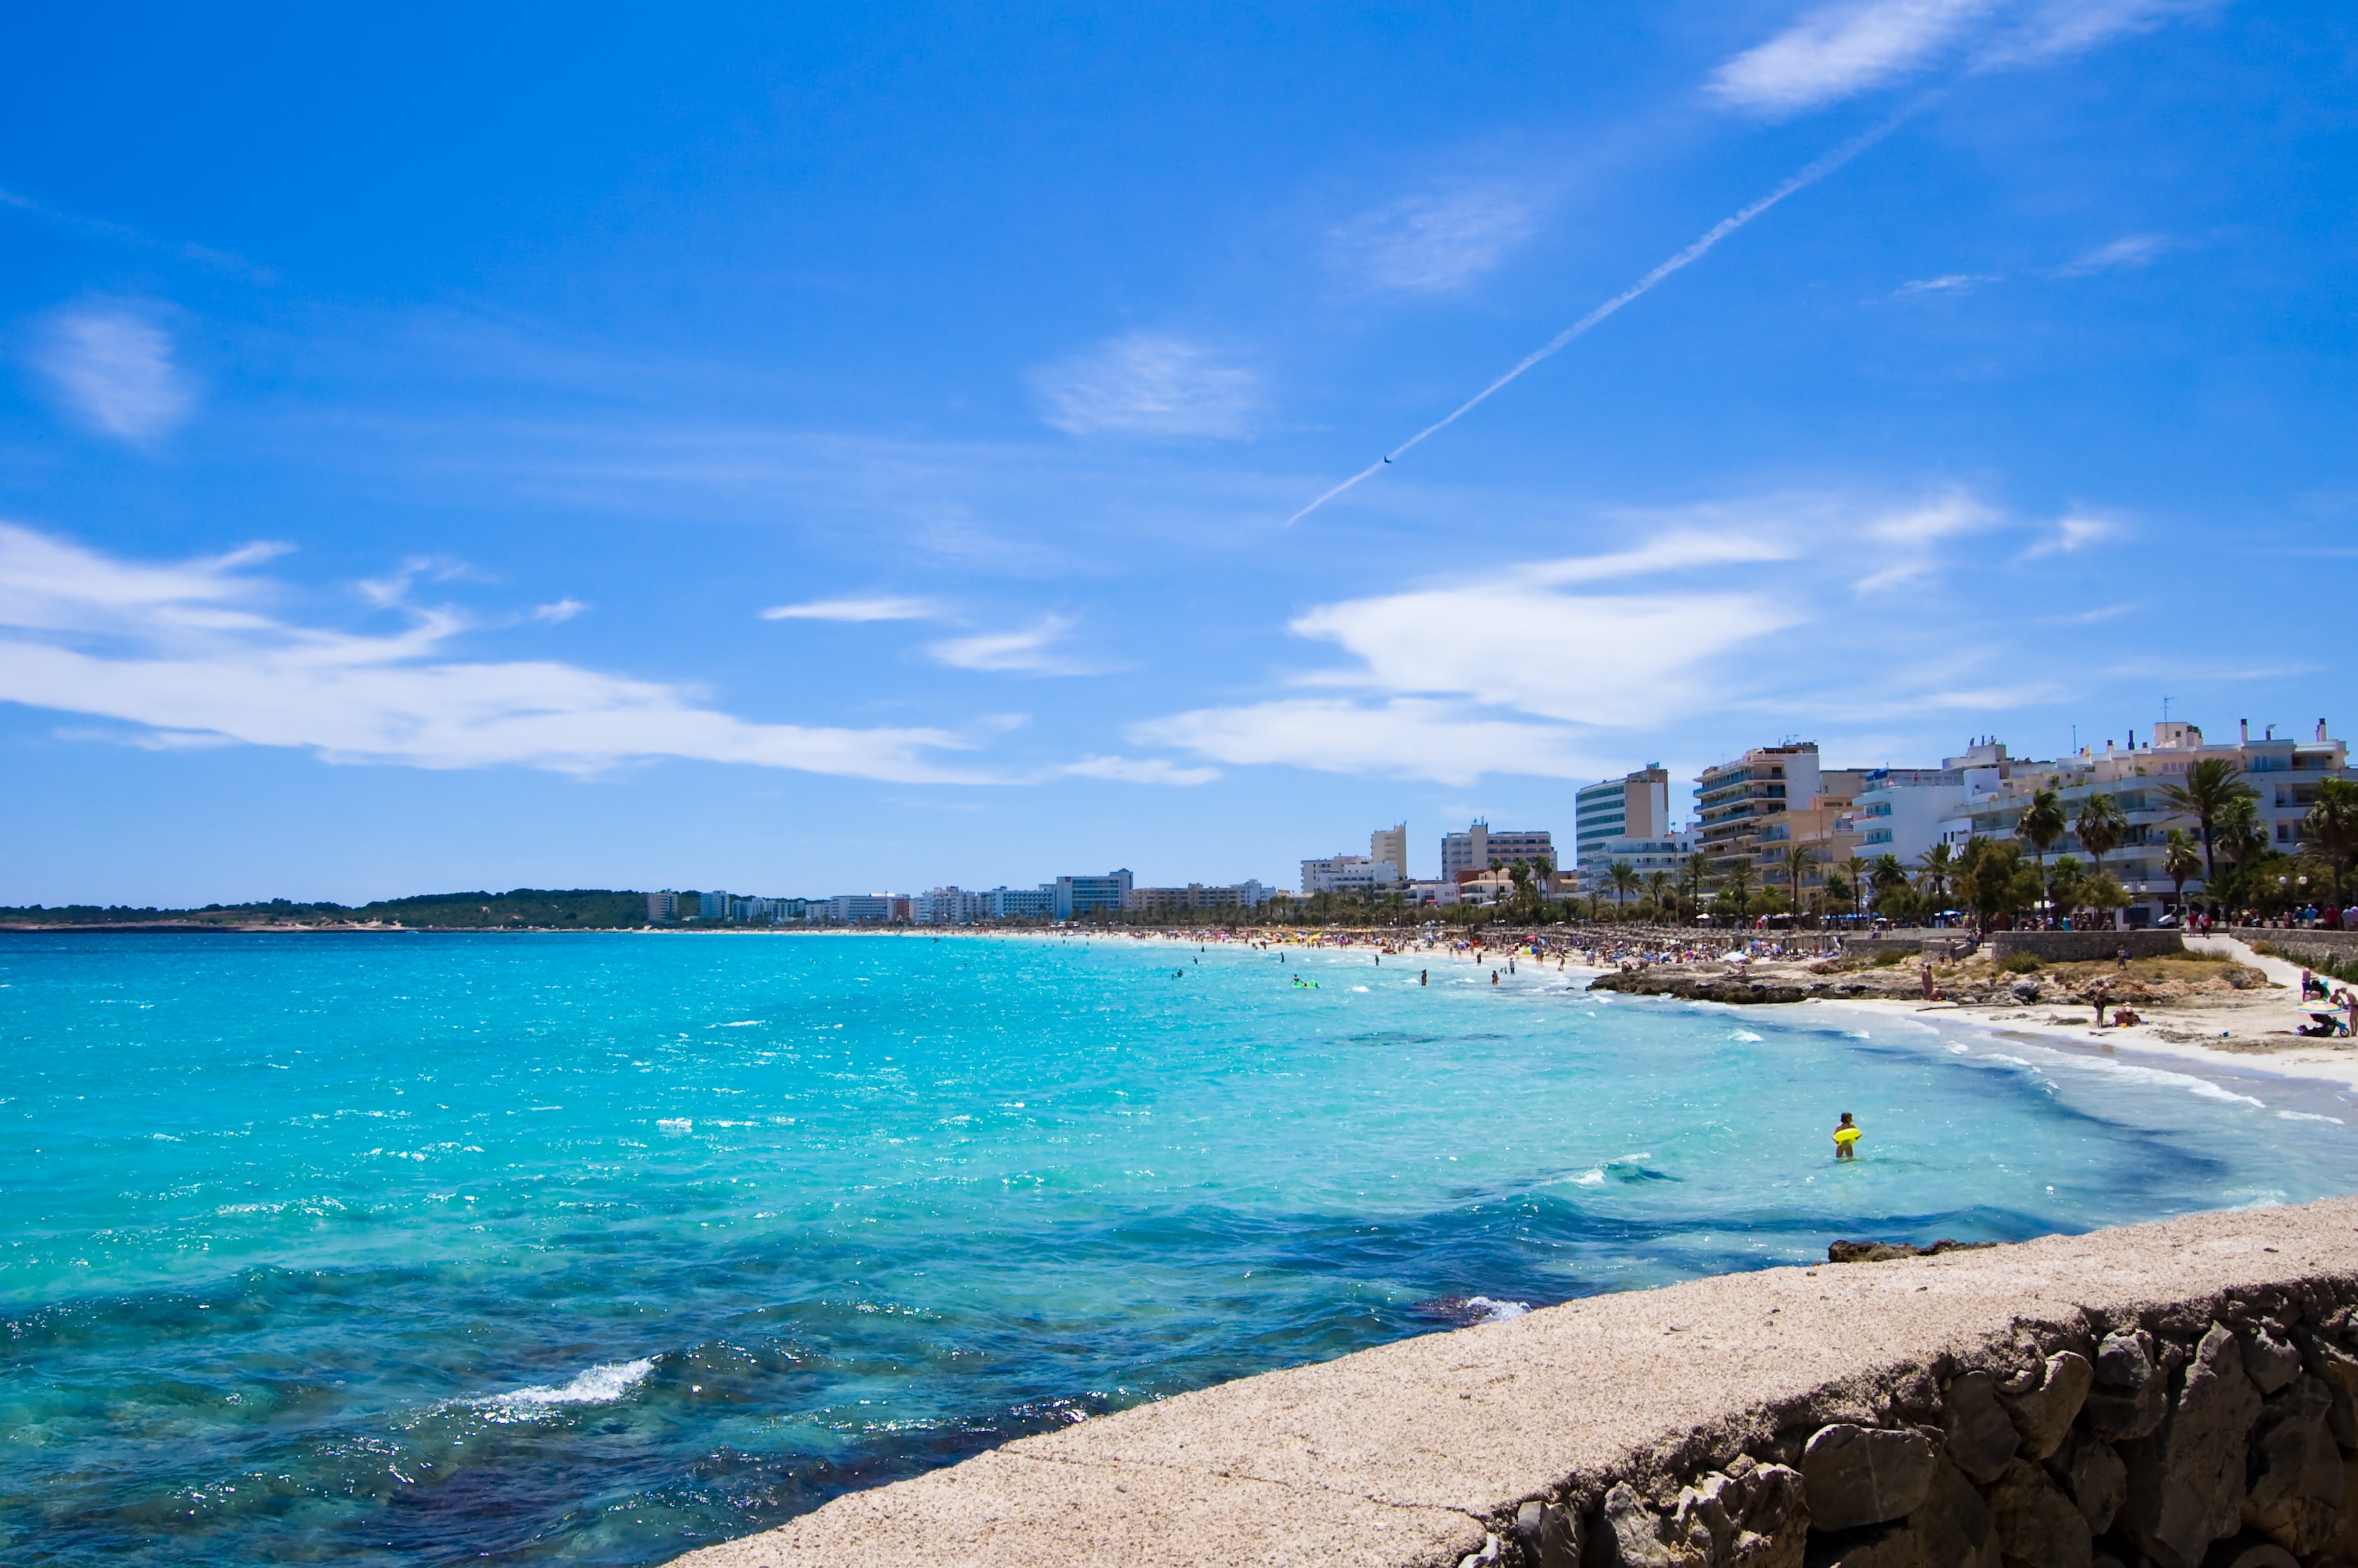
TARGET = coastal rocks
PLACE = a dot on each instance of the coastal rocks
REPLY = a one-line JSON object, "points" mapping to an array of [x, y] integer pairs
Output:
{"points": [[2297, 1481], [2044, 1416], [2186, 1481], [1711, 987], [2092, 1473], [2131, 1397], [1860, 1475], [1884, 1251], [2037, 1526], [1982, 1441], [1549, 1535], [1631, 1535]]}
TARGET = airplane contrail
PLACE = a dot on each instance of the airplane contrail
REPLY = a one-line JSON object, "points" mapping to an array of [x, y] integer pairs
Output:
{"points": [[1808, 175]]}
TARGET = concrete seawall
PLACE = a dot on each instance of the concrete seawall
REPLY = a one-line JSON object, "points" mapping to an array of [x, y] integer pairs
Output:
{"points": [[2185, 1392]]}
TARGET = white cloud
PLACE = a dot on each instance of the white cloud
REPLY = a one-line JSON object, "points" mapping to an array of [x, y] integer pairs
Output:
{"points": [[563, 610], [1150, 383], [2130, 250], [1434, 242], [1029, 652], [854, 610], [1907, 541], [1952, 283], [1403, 738], [1139, 770], [1615, 659], [2073, 533], [1840, 50], [185, 653], [112, 368]]}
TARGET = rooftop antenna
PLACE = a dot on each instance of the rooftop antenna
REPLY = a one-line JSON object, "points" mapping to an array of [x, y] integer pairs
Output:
{"points": [[2164, 711]]}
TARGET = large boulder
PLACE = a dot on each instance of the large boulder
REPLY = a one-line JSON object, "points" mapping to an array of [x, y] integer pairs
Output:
{"points": [[2186, 1481], [2296, 1486], [1549, 1535], [2093, 1476], [1858, 1475], [2338, 1370], [2131, 1396], [1981, 1438], [2043, 1416], [2037, 1526], [1631, 1535]]}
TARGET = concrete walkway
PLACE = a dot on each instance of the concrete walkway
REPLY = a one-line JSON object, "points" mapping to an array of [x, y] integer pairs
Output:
{"points": [[1411, 1454], [2283, 971]]}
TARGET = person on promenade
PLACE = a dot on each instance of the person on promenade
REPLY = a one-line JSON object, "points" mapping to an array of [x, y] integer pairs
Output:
{"points": [[1846, 1136]]}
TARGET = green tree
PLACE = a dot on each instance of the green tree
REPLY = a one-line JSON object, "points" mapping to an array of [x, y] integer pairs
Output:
{"points": [[1694, 875], [2210, 784], [2180, 861], [1936, 868], [1625, 879], [1992, 880], [1738, 883], [1657, 885], [1795, 863], [2102, 824], [2066, 878], [1888, 877], [2332, 827], [2242, 836], [2042, 822]]}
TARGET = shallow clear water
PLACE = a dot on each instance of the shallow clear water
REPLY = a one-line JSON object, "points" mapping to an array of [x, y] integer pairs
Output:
{"points": [[413, 1249]]}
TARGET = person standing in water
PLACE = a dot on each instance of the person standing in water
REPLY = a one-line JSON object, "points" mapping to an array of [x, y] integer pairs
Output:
{"points": [[1846, 1136]]}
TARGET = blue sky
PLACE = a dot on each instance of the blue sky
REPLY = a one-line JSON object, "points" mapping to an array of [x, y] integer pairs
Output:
{"points": [[809, 451]]}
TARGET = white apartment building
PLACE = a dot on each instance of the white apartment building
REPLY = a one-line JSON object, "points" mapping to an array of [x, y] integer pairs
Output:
{"points": [[1645, 856], [2285, 774], [663, 907], [1023, 903], [1391, 844], [1482, 847], [1634, 807], [859, 908], [1350, 874]]}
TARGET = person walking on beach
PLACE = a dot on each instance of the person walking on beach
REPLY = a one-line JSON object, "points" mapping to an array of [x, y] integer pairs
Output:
{"points": [[1846, 1137]]}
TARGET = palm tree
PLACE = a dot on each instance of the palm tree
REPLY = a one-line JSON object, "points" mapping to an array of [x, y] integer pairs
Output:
{"points": [[1625, 879], [2333, 825], [1796, 864], [2179, 863], [1694, 875], [1934, 867], [1737, 882], [2042, 822], [1886, 874], [1657, 885], [2241, 832], [2102, 827], [2210, 784]]}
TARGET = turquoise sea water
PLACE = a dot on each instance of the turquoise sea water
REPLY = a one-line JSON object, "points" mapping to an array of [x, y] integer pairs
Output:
{"points": [[416, 1249]]}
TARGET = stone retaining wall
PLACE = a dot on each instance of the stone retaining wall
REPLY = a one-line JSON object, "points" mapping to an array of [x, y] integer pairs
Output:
{"points": [[2182, 1394], [2083, 947], [2304, 946]]}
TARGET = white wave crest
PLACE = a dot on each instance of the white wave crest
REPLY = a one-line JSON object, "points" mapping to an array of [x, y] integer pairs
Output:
{"points": [[1748, 1037], [1594, 1178], [1482, 1309], [2310, 1116], [600, 1385]]}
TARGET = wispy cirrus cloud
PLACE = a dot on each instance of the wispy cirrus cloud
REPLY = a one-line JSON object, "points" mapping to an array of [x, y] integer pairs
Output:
{"points": [[854, 610], [1139, 770], [2129, 251], [1150, 383], [1032, 651], [1444, 740], [189, 653], [112, 369], [2073, 533], [1838, 51], [1434, 241]]}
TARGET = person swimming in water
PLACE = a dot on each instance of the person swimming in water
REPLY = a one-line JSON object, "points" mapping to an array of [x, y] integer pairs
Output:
{"points": [[1846, 1136]]}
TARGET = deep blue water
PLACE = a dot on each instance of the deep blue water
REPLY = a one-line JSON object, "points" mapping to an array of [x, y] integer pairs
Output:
{"points": [[418, 1250]]}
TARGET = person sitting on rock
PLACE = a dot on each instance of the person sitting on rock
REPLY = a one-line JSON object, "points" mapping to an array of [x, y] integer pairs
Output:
{"points": [[1846, 1137]]}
